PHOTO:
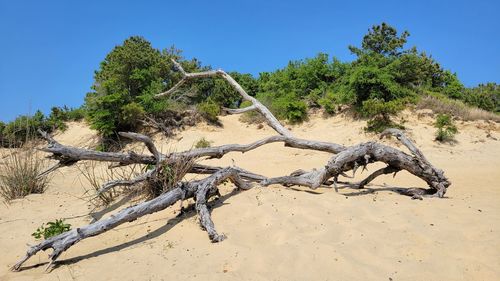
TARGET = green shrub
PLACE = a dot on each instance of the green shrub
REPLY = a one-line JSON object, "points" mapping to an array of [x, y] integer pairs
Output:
{"points": [[131, 115], [484, 96], [52, 229], [209, 110], [446, 130], [252, 116], [285, 106], [378, 125], [380, 113], [202, 143], [296, 111], [76, 114], [329, 103], [24, 128]]}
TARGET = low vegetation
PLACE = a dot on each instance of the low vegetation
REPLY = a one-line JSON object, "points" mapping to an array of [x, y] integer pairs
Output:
{"points": [[52, 228], [446, 129], [167, 177], [19, 174], [24, 128], [95, 175], [202, 143]]}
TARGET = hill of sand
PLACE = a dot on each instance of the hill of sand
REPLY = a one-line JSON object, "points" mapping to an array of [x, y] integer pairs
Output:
{"points": [[275, 233]]}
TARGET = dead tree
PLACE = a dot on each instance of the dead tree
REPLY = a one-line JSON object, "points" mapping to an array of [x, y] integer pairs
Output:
{"points": [[343, 159]]}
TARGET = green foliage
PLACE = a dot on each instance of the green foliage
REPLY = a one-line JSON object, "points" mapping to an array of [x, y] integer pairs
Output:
{"points": [[484, 96], [377, 107], [446, 129], [24, 128], [303, 76], [380, 112], [210, 110], [202, 143], [52, 229], [382, 39], [379, 124], [385, 70], [453, 87], [329, 102], [132, 114], [296, 111], [252, 116], [124, 86], [222, 93], [286, 106]]}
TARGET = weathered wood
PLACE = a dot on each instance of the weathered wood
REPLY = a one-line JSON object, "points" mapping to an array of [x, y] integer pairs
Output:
{"points": [[201, 190], [344, 159], [272, 121]]}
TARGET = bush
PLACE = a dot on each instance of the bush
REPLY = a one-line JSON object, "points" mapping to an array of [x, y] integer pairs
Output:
{"points": [[446, 129], [52, 229], [380, 113], [209, 110], [285, 106], [329, 103], [296, 111], [131, 115], [484, 96], [75, 114], [378, 125], [202, 143], [24, 128], [19, 174], [252, 116]]}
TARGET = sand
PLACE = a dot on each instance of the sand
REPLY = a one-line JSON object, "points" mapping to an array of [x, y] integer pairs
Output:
{"points": [[276, 233]]}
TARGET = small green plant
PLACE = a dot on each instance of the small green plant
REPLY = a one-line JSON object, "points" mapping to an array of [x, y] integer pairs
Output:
{"points": [[202, 143], [209, 110], [51, 229], [446, 130]]}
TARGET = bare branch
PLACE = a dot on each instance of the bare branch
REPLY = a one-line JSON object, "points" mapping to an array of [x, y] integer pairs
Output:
{"points": [[239, 110], [271, 119]]}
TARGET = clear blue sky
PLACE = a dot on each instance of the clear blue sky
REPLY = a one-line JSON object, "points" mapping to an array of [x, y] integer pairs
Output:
{"points": [[50, 49]]}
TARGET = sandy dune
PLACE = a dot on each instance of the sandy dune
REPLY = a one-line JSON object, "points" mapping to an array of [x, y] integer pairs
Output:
{"points": [[287, 234]]}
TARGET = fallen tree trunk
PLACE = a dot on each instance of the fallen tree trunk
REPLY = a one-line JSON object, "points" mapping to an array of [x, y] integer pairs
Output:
{"points": [[344, 159]]}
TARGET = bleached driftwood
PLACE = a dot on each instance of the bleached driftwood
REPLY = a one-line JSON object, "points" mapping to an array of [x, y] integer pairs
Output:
{"points": [[344, 159]]}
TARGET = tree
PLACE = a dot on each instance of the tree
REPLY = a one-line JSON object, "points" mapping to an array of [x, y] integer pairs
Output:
{"points": [[126, 81], [382, 39], [127, 72]]}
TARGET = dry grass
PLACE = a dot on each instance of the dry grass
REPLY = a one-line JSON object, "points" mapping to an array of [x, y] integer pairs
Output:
{"points": [[456, 108], [19, 170], [96, 174], [168, 177]]}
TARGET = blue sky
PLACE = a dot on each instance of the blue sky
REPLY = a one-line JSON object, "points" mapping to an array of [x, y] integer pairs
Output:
{"points": [[49, 50]]}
